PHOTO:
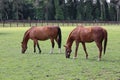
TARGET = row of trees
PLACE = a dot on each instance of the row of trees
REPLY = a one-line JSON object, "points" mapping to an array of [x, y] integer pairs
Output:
{"points": [[83, 10]]}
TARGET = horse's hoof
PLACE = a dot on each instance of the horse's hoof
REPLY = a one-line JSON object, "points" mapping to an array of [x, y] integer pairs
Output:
{"points": [[40, 52], [59, 50], [74, 57], [50, 52], [99, 59]]}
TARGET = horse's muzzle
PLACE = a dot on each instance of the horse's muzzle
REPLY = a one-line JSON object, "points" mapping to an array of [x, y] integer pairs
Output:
{"points": [[68, 56], [23, 52]]}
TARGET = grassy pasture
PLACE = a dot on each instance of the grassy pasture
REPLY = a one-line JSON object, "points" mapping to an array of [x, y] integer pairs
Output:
{"points": [[45, 66]]}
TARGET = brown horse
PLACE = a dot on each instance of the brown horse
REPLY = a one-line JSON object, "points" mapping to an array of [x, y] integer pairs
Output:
{"points": [[83, 35], [42, 33]]}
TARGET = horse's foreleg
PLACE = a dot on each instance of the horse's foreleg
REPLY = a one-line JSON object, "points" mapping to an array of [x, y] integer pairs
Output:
{"points": [[35, 46], [77, 45], [35, 42], [38, 47], [99, 45], [84, 47], [53, 44]]}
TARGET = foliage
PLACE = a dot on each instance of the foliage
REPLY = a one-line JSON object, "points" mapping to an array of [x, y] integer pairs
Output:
{"points": [[58, 9], [84, 10]]}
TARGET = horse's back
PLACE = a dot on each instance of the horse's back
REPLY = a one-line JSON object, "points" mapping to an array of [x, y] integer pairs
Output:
{"points": [[98, 33], [87, 34], [43, 33], [98, 30]]}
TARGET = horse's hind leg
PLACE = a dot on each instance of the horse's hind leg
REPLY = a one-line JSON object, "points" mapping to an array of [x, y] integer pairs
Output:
{"points": [[99, 45], [38, 47], [84, 47], [36, 43], [53, 44], [59, 46]]}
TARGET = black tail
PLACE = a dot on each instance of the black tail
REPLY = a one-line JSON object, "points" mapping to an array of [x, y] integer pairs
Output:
{"points": [[105, 40], [59, 37]]}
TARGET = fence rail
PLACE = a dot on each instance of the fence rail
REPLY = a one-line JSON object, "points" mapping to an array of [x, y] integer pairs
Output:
{"points": [[25, 23]]}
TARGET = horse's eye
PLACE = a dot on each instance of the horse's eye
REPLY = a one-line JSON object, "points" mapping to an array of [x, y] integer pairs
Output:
{"points": [[68, 51]]}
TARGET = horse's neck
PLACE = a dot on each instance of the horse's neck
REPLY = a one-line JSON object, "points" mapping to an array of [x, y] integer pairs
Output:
{"points": [[69, 42], [25, 39]]}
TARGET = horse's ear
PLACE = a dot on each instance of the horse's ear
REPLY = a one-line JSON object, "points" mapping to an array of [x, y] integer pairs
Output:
{"points": [[65, 46]]}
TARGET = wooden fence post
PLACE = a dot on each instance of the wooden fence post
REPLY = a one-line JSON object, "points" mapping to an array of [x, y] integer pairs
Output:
{"points": [[17, 23], [36, 23], [3, 23], [10, 23], [30, 23]]}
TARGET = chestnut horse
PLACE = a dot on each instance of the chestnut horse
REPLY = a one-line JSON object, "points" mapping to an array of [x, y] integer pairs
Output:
{"points": [[82, 35], [42, 33]]}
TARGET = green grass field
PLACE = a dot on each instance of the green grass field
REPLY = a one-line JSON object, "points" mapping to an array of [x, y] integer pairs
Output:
{"points": [[30, 66]]}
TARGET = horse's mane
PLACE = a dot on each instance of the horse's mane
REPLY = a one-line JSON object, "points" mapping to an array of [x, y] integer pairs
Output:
{"points": [[26, 34], [71, 33]]}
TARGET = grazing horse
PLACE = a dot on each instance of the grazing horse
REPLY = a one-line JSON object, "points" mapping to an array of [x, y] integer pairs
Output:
{"points": [[82, 35], [42, 33]]}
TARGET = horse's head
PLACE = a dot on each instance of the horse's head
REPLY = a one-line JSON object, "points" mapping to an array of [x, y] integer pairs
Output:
{"points": [[24, 47], [67, 51]]}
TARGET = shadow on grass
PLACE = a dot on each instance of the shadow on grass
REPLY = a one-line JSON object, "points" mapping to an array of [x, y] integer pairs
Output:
{"points": [[28, 52], [104, 60], [5, 33], [113, 61]]}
